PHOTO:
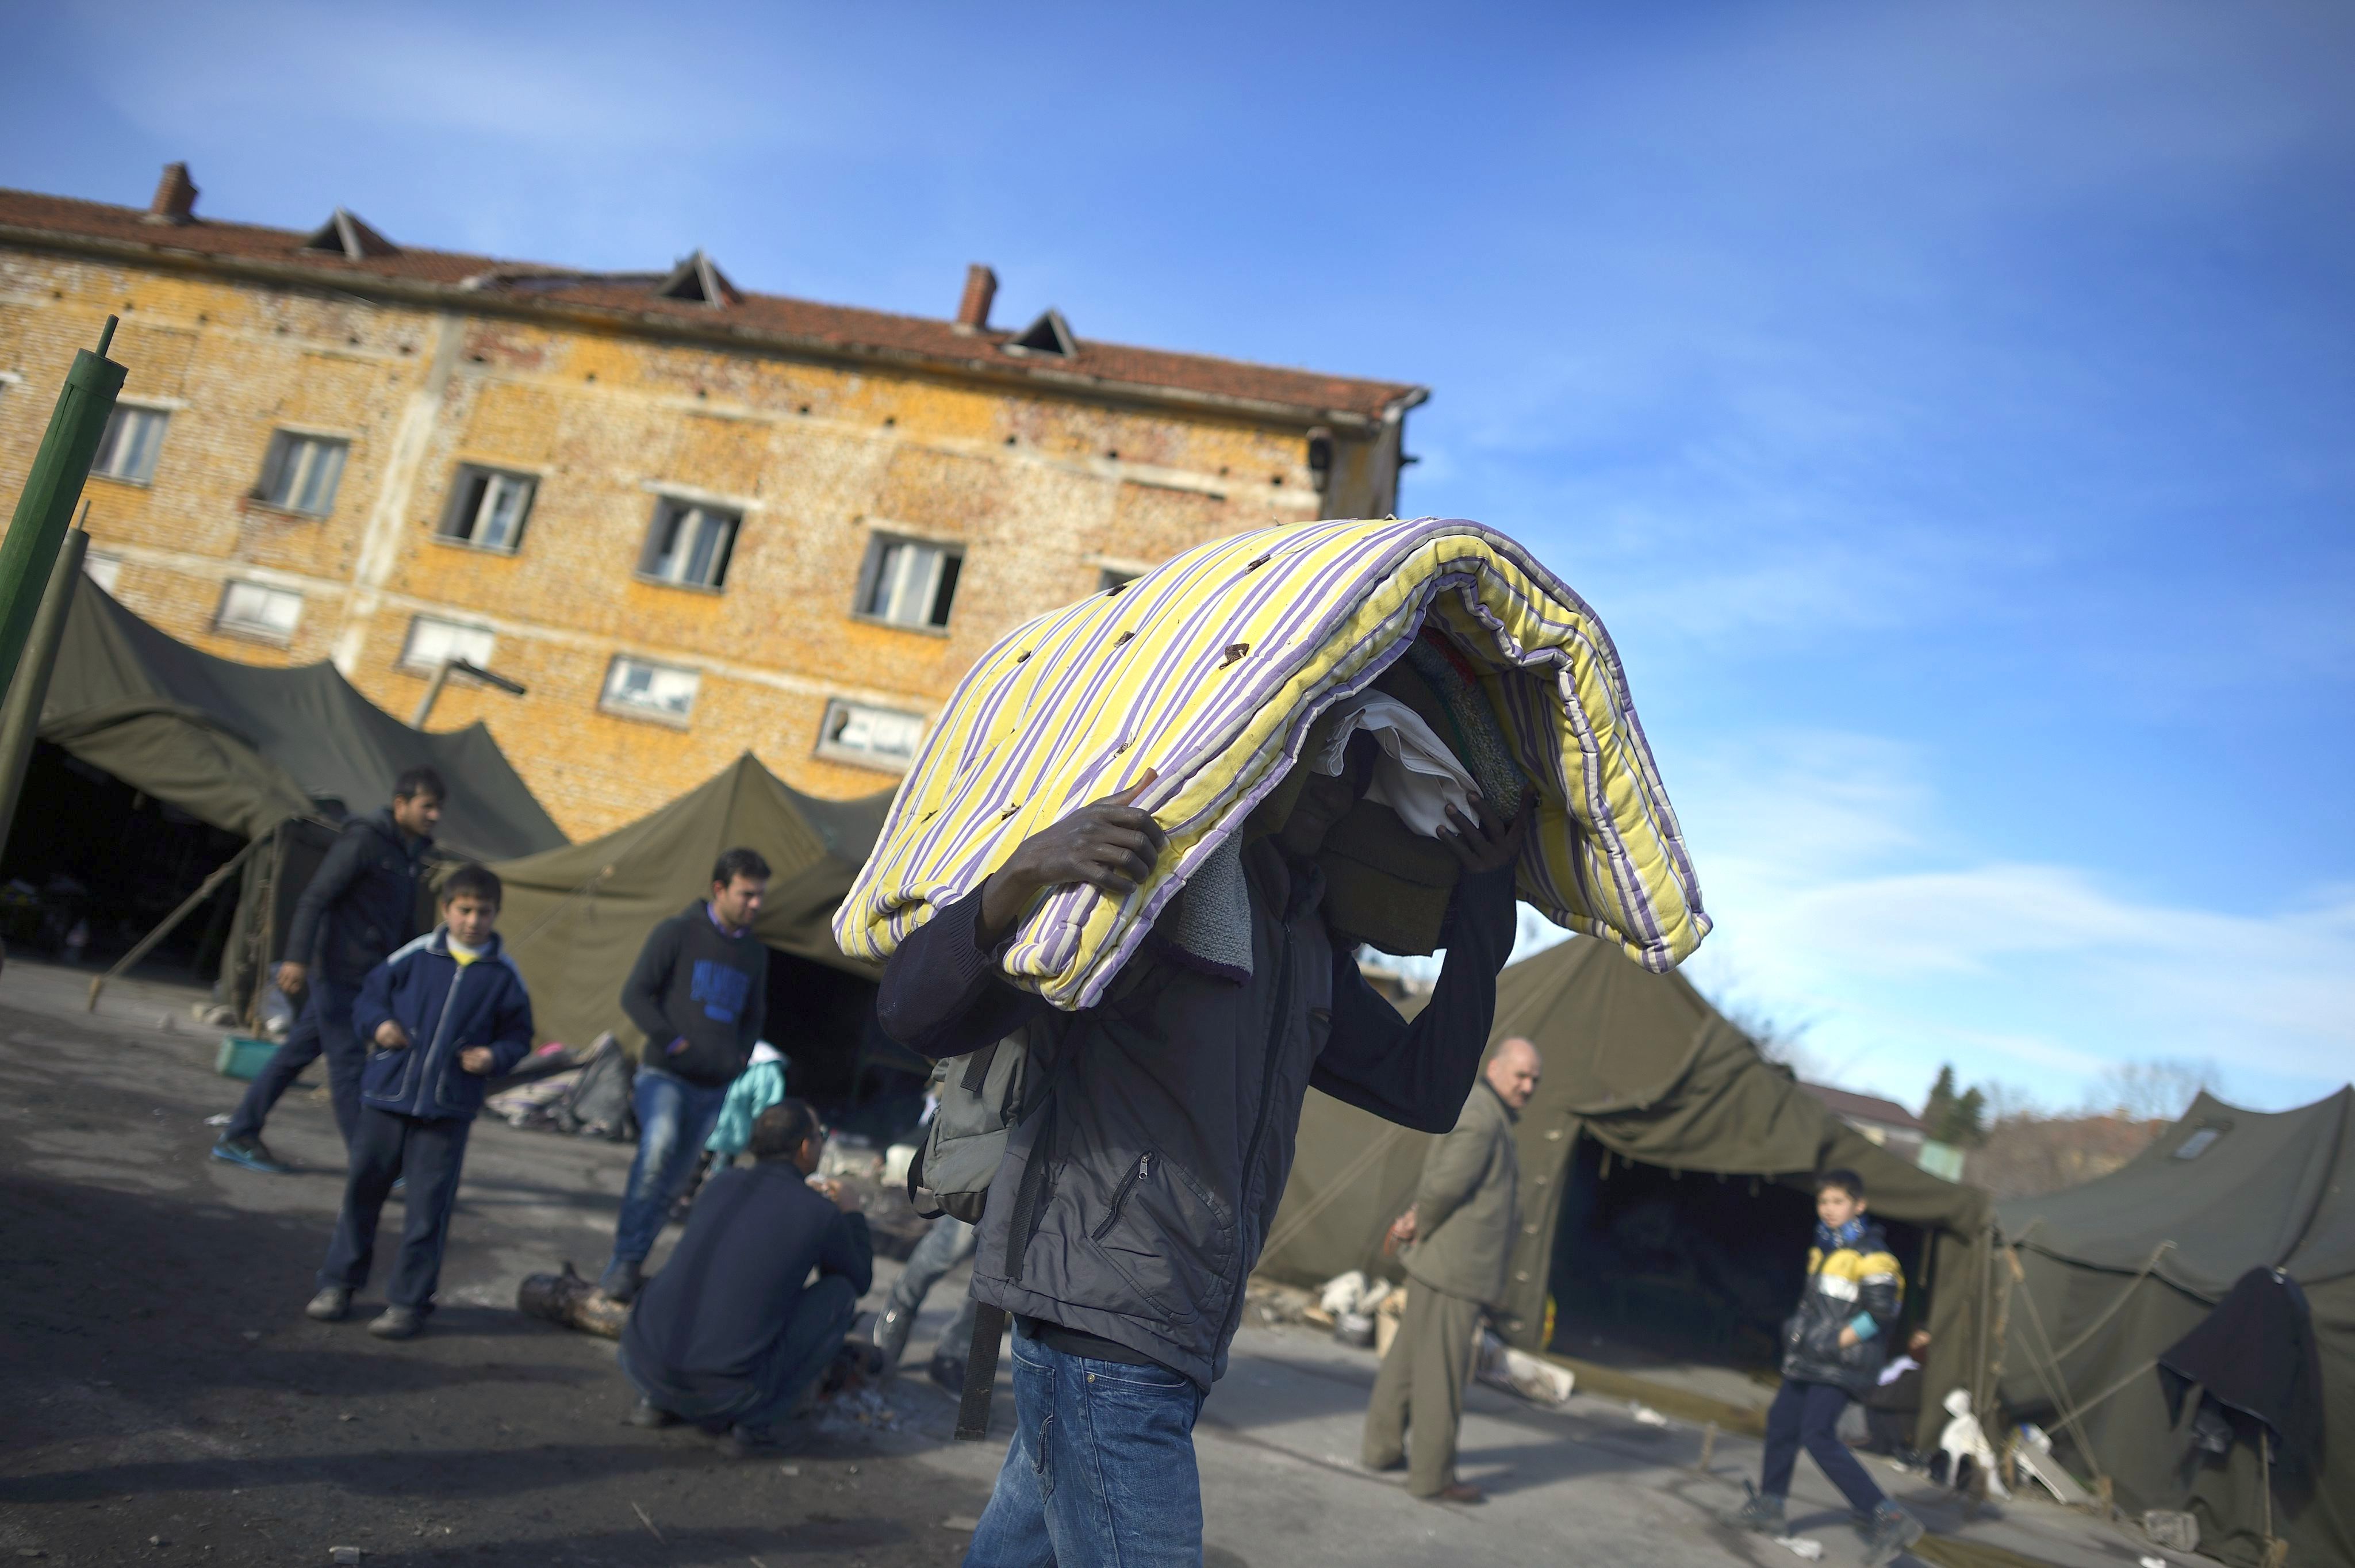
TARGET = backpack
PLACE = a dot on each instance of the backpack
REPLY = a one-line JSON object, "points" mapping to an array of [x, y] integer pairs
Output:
{"points": [[599, 1104], [983, 1098]]}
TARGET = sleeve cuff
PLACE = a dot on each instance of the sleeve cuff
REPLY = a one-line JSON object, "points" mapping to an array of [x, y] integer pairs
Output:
{"points": [[1864, 1326]]}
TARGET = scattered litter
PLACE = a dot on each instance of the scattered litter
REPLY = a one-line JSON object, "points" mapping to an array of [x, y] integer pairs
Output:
{"points": [[1800, 1546], [647, 1520], [854, 1469], [157, 1111], [347, 1416], [967, 1523], [220, 1121], [2152, 1561], [251, 1335], [1355, 1329], [1499, 1366], [157, 1540], [855, 1404], [789, 1469], [31, 1551], [344, 1554], [1647, 1416], [2172, 1529]]}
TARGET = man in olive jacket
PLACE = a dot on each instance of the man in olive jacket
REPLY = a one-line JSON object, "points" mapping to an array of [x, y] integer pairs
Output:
{"points": [[1458, 1237]]}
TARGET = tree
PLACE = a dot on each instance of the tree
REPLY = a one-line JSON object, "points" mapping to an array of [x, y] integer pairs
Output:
{"points": [[1956, 1117], [2156, 1089]]}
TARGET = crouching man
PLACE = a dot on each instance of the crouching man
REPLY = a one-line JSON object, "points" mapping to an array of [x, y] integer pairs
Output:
{"points": [[727, 1334]]}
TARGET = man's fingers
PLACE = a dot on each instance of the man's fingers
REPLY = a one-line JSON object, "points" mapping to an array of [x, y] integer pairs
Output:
{"points": [[1122, 797]]}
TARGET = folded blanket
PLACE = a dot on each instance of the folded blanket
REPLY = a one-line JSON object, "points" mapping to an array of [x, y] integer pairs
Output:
{"points": [[1210, 670]]}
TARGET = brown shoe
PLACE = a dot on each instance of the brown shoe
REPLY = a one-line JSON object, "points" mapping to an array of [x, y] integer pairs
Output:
{"points": [[1463, 1492]]}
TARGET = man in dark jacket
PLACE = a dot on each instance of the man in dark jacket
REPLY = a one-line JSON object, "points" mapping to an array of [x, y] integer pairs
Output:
{"points": [[439, 1016], [359, 907], [699, 992], [1833, 1347], [1134, 1202], [728, 1333]]}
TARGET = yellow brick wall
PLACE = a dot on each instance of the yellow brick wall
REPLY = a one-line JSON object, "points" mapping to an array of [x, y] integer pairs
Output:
{"points": [[1043, 491]]}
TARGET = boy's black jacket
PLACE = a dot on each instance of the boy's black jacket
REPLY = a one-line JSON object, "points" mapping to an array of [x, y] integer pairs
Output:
{"points": [[1862, 1277]]}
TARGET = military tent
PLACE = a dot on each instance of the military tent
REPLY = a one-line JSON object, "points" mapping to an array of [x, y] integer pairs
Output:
{"points": [[2111, 1274], [576, 917], [1641, 1070]]}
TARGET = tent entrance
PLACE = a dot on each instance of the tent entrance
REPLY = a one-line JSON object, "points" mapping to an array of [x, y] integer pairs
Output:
{"points": [[1652, 1264]]}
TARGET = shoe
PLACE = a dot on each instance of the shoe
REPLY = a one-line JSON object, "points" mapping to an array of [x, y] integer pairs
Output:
{"points": [[757, 1442], [401, 1187], [1892, 1530], [892, 1326], [398, 1323], [1463, 1492], [949, 1372], [1396, 1462], [249, 1153], [332, 1305], [1762, 1513], [651, 1416], [620, 1281]]}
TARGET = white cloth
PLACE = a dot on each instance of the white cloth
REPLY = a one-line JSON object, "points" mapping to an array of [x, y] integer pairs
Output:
{"points": [[763, 1051], [1897, 1369], [1415, 774]]}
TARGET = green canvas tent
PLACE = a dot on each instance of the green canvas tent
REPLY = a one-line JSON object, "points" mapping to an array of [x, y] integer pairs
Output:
{"points": [[1643, 1066], [2113, 1272], [575, 917]]}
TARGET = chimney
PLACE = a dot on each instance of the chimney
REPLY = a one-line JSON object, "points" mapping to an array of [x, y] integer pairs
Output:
{"points": [[980, 289], [176, 198]]}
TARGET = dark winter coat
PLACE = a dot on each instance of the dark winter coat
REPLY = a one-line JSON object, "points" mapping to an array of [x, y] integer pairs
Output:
{"points": [[1859, 1285], [701, 996], [361, 904], [1132, 1204], [446, 1007]]}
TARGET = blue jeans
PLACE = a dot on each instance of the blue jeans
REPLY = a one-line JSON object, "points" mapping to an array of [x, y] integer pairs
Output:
{"points": [[388, 1145], [1101, 1470], [1807, 1415], [675, 1117], [322, 1027], [804, 1348]]}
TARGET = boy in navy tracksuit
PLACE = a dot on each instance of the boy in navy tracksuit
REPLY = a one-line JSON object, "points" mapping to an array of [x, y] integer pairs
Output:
{"points": [[439, 1017]]}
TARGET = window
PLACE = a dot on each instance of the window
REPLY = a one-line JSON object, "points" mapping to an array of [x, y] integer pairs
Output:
{"points": [[253, 611], [871, 737], [127, 450], [2197, 1143], [910, 583], [689, 545], [431, 640], [648, 690], [302, 472], [487, 508], [102, 569]]}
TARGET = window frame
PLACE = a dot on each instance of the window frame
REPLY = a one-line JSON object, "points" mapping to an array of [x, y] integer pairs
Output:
{"points": [[947, 576], [278, 460], [161, 425], [104, 567], [408, 665], [454, 509], [833, 750], [622, 708], [256, 631], [671, 513]]}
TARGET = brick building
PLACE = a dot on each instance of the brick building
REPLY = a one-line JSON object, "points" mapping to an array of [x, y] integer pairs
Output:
{"points": [[690, 520]]}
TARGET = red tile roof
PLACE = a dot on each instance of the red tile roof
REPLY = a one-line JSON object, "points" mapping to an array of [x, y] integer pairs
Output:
{"points": [[27, 217], [1864, 1108]]}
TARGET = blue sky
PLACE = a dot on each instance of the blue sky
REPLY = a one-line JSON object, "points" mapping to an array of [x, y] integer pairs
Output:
{"points": [[1947, 408]]}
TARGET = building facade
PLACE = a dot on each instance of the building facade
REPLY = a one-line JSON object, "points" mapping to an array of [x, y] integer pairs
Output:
{"points": [[689, 520]]}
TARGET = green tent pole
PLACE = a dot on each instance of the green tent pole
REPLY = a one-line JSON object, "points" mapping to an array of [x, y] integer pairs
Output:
{"points": [[46, 505], [20, 714]]}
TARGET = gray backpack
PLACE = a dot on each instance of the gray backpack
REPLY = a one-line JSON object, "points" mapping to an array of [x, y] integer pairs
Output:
{"points": [[983, 1098]]}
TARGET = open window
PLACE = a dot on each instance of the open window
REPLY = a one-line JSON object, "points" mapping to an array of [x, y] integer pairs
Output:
{"points": [[431, 640], [868, 736], [641, 689], [300, 472], [127, 451], [910, 583], [257, 610], [689, 545], [487, 508]]}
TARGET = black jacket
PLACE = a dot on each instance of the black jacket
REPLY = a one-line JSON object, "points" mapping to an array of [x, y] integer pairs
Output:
{"points": [[1134, 1202], [700, 996], [1857, 1285], [704, 1326], [361, 904]]}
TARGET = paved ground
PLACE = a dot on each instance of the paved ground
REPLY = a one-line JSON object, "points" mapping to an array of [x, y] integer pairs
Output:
{"points": [[167, 1402]]}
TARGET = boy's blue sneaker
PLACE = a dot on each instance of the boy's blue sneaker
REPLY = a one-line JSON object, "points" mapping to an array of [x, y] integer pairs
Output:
{"points": [[1762, 1513], [1892, 1530], [249, 1153]]}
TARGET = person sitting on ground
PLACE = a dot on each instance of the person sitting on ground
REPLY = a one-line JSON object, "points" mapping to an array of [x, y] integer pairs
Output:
{"points": [[439, 1016], [1833, 1347], [698, 991], [359, 906], [727, 1334], [1892, 1409]]}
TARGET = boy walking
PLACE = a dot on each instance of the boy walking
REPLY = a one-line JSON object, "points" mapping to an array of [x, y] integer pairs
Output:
{"points": [[1833, 1347], [439, 1017]]}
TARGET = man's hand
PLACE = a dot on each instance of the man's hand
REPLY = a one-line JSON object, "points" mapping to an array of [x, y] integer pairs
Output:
{"points": [[392, 1036], [478, 1059], [1108, 844], [1488, 842], [291, 977], [1850, 1338], [1402, 1232]]}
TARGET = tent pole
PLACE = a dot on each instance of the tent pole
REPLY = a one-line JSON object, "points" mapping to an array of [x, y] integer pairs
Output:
{"points": [[45, 506], [171, 920], [20, 718], [432, 694]]}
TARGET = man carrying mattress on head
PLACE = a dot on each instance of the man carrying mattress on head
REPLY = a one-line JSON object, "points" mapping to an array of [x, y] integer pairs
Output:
{"points": [[1132, 1204]]}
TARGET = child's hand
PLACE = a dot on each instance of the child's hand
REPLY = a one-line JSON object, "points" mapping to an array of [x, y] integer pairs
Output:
{"points": [[478, 1059], [1850, 1338], [392, 1036]]}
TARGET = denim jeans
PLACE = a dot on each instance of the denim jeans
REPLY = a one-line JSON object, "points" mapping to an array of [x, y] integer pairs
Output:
{"points": [[1101, 1469], [802, 1352], [324, 1027], [948, 1244], [1808, 1415], [388, 1145], [675, 1117]]}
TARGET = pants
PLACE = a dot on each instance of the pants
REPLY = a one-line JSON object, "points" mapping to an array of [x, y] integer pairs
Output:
{"points": [[948, 1244], [1807, 1415], [1422, 1384], [324, 1027], [1101, 1469], [388, 1145], [674, 1118], [802, 1352]]}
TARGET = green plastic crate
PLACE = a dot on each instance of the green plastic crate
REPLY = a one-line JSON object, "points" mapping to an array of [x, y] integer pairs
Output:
{"points": [[243, 1056]]}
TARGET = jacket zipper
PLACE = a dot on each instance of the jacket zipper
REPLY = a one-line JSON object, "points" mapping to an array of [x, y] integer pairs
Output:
{"points": [[1127, 1184], [432, 1084]]}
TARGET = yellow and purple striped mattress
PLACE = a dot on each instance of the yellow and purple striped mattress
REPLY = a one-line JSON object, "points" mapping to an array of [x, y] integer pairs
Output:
{"points": [[1209, 671]]}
